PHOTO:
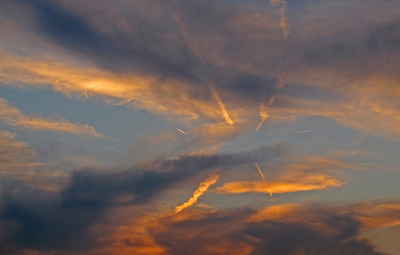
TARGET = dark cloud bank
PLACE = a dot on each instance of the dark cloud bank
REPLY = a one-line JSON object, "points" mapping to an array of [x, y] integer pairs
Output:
{"points": [[37, 220], [226, 232], [61, 223]]}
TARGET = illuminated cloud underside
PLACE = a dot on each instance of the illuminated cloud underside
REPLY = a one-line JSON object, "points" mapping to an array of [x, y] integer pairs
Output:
{"points": [[308, 183]]}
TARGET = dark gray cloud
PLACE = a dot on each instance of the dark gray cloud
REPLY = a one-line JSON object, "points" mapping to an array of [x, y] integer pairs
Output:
{"points": [[365, 50], [172, 41], [237, 48], [44, 221], [146, 50]]}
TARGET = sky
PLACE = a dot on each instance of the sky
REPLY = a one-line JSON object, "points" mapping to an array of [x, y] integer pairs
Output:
{"points": [[199, 127]]}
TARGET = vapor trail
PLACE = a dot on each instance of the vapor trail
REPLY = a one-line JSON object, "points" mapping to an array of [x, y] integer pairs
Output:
{"points": [[183, 132], [284, 21], [264, 113], [178, 18], [304, 131], [284, 24], [199, 192], [193, 46], [225, 113], [259, 170]]}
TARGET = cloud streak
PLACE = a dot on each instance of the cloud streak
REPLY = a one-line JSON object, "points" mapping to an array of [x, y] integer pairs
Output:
{"points": [[312, 182], [14, 117]]}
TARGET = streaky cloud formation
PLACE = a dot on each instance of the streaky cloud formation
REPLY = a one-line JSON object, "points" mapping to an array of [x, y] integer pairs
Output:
{"points": [[185, 90], [13, 153], [312, 182], [14, 117]]}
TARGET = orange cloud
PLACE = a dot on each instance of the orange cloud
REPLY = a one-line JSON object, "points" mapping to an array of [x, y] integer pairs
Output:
{"points": [[138, 91], [312, 182], [308, 174], [14, 117], [373, 215]]}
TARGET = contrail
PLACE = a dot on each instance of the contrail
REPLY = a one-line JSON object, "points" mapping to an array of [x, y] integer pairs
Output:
{"points": [[192, 45], [177, 15], [284, 22], [259, 170], [304, 131], [225, 113], [200, 191], [183, 132], [264, 112]]}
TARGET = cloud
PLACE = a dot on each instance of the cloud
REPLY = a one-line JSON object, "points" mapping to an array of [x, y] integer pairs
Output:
{"points": [[138, 91], [284, 22], [263, 114], [308, 174], [309, 229], [19, 166], [371, 116], [14, 154], [39, 220], [14, 117], [312, 182], [339, 64], [225, 113], [17, 159], [147, 64]]}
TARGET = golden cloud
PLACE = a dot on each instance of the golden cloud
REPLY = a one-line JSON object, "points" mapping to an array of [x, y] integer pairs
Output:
{"points": [[312, 182]]}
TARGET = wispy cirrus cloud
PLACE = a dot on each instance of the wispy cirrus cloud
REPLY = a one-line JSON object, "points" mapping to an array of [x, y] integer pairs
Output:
{"points": [[14, 117], [132, 72], [371, 116], [14, 154], [213, 69]]}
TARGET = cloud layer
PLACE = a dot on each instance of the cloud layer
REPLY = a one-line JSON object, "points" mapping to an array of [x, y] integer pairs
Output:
{"points": [[222, 76]]}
